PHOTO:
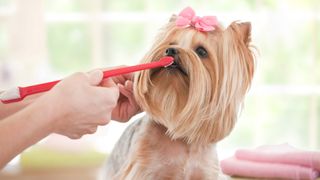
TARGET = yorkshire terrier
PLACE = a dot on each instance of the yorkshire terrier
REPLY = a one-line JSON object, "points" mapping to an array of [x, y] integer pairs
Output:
{"points": [[190, 105]]}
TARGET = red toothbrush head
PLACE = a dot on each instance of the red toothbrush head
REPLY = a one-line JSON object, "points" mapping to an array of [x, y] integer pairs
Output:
{"points": [[166, 61]]}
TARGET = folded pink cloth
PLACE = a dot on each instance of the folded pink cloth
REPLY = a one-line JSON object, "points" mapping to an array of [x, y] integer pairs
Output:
{"points": [[235, 167], [283, 153]]}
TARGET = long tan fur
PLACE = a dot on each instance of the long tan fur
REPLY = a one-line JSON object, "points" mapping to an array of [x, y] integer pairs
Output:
{"points": [[186, 114]]}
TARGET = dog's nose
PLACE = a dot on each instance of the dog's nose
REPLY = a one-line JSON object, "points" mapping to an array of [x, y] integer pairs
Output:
{"points": [[171, 52]]}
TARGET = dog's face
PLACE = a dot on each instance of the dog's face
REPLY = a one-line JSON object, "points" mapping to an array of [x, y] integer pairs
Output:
{"points": [[199, 96]]}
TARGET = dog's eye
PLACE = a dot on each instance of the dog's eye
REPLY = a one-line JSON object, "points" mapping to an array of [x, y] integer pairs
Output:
{"points": [[202, 52]]}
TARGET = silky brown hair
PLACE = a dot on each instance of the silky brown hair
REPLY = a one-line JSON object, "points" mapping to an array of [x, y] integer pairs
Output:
{"points": [[202, 106]]}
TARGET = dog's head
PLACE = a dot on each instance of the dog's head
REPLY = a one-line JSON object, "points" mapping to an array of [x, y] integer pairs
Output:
{"points": [[199, 96]]}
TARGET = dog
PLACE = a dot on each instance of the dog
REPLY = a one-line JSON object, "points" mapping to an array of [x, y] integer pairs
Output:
{"points": [[190, 105]]}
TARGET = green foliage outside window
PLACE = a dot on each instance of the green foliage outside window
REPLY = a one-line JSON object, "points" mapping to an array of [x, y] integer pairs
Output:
{"points": [[121, 42], [69, 46]]}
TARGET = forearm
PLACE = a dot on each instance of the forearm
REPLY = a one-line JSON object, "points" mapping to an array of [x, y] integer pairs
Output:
{"points": [[11, 108], [21, 130]]}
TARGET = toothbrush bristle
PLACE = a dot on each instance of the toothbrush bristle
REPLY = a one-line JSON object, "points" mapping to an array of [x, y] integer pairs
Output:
{"points": [[10, 94]]}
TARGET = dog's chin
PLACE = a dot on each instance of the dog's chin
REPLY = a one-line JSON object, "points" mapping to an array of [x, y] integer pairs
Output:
{"points": [[173, 73], [167, 95], [172, 78], [169, 72]]}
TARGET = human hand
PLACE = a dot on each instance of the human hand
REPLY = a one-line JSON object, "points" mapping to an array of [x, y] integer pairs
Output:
{"points": [[78, 105], [127, 105]]}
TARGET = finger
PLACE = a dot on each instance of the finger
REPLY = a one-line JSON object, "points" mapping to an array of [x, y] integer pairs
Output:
{"points": [[89, 129], [74, 136], [105, 82], [78, 76], [108, 95], [92, 130], [129, 95], [108, 82], [104, 121], [123, 78], [129, 86], [95, 77], [119, 79], [123, 90], [128, 76]]}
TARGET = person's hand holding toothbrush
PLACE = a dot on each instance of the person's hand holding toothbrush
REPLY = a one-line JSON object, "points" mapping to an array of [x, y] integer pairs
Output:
{"points": [[74, 106], [82, 104]]}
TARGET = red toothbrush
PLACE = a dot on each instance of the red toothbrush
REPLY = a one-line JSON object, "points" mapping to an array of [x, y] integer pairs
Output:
{"points": [[18, 93]]}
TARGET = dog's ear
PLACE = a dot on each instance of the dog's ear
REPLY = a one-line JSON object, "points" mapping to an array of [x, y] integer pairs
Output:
{"points": [[173, 18], [243, 30]]}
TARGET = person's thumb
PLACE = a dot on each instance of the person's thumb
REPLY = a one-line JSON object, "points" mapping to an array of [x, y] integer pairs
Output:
{"points": [[95, 77]]}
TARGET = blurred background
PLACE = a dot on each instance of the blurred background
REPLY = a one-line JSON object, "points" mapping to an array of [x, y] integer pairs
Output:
{"points": [[43, 40]]}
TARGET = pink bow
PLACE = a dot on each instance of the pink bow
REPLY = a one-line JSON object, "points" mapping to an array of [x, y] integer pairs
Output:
{"points": [[187, 17]]}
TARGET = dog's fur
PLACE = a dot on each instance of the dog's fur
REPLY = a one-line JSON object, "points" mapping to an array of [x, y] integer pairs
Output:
{"points": [[189, 108]]}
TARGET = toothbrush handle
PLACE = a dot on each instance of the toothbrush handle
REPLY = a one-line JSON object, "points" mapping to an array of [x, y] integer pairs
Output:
{"points": [[38, 88], [130, 69]]}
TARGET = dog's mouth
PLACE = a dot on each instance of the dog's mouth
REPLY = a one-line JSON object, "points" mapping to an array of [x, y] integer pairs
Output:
{"points": [[177, 66]]}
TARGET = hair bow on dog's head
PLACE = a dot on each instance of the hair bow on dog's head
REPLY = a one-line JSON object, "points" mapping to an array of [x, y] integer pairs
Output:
{"points": [[187, 17]]}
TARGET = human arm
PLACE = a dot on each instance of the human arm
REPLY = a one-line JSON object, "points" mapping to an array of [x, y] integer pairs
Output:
{"points": [[74, 107], [125, 109], [11, 108], [21, 130]]}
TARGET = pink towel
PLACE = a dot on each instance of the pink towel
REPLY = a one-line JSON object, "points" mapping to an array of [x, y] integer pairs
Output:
{"points": [[278, 161], [236, 167], [283, 153]]}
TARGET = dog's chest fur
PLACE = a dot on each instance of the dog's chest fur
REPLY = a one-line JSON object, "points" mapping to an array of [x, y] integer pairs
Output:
{"points": [[145, 152]]}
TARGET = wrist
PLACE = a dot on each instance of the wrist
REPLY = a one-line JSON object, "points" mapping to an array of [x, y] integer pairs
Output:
{"points": [[46, 114]]}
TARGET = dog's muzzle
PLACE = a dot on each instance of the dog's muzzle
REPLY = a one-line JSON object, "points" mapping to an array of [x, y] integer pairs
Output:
{"points": [[176, 63]]}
